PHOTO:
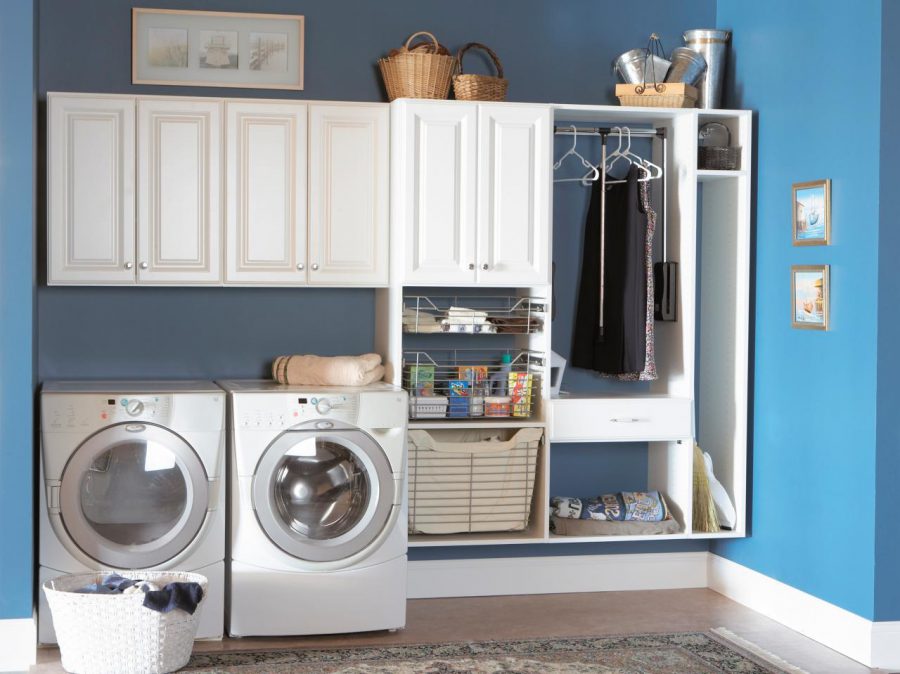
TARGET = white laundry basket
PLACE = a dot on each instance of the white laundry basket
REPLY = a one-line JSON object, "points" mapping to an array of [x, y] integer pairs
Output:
{"points": [[473, 480], [115, 633]]}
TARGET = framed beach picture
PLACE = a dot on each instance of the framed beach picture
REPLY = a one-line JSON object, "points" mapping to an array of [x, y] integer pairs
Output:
{"points": [[812, 213], [217, 49], [810, 296]]}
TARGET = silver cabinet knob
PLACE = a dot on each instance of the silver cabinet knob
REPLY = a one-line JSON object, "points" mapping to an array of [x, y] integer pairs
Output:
{"points": [[471, 266], [314, 266], [300, 267], [485, 266], [129, 265], [144, 265]]}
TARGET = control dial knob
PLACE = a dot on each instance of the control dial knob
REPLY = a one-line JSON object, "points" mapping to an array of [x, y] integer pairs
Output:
{"points": [[134, 407], [323, 406]]}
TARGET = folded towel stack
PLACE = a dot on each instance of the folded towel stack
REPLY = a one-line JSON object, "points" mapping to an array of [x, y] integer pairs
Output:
{"points": [[328, 370]]}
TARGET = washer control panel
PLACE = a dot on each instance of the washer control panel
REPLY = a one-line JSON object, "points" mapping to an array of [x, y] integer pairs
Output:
{"points": [[79, 412], [278, 412]]}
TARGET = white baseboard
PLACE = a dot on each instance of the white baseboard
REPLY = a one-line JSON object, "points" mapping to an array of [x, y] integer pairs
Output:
{"points": [[18, 639], [874, 644], [555, 574]]}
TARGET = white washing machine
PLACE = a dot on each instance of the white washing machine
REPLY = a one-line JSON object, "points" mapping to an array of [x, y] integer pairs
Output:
{"points": [[133, 476], [318, 515]]}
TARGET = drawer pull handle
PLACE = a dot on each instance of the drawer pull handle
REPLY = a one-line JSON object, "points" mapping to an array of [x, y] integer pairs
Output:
{"points": [[627, 420]]}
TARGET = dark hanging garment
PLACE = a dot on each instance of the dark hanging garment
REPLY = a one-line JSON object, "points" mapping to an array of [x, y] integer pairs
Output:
{"points": [[620, 348]]}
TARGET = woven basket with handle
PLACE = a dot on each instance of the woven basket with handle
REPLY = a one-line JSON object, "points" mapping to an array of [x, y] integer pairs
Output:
{"points": [[479, 87], [421, 71]]}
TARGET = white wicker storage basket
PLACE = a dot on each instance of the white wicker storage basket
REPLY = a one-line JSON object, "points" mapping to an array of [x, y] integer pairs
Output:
{"points": [[114, 633], [464, 481]]}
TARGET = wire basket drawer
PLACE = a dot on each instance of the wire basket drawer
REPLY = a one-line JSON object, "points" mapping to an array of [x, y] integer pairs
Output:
{"points": [[463, 481]]}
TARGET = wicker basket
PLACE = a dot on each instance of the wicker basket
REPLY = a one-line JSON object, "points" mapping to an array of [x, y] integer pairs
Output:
{"points": [[422, 71], [662, 95], [114, 633], [479, 87]]}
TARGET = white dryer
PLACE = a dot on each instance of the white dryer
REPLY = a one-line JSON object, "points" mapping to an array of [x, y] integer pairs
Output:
{"points": [[133, 476], [318, 515]]}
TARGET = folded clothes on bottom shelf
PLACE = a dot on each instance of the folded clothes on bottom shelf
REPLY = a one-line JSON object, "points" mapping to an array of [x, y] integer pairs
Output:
{"points": [[624, 513], [643, 506]]}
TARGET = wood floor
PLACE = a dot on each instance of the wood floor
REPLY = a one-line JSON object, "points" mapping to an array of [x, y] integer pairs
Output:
{"points": [[588, 614]]}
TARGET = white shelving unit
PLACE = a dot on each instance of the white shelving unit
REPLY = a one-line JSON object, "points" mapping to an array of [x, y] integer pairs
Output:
{"points": [[702, 359]]}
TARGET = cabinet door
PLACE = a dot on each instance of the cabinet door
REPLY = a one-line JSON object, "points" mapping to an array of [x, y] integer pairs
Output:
{"points": [[348, 194], [438, 192], [266, 193], [90, 206], [514, 195], [179, 187]]}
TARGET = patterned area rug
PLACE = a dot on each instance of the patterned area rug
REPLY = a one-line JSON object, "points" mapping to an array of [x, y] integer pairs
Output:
{"points": [[687, 653]]}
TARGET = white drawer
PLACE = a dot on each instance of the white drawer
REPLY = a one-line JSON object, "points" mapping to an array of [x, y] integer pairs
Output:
{"points": [[614, 419]]}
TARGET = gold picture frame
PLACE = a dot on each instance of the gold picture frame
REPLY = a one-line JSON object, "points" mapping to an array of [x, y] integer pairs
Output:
{"points": [[810, 296], [217, 49], [811, 213]]}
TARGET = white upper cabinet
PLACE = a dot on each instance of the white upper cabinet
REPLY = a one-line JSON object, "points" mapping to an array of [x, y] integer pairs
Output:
{"points": [[475, 193], [513, 195], [439, 192], [348, 194], [90, 209], [179, 191], [266, 193]]}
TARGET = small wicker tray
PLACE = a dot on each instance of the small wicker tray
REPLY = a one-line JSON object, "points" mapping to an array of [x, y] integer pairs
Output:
{"points": [[662, 95]]}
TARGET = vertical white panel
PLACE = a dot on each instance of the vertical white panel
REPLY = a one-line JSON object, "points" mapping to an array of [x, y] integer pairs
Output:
{"points": [[91, 190], [266, 193], [349, 194], [514, 195], [179, 188], [439, 193]]}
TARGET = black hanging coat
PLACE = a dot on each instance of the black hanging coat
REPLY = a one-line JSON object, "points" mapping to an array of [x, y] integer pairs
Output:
{"points": [[621, 346]]}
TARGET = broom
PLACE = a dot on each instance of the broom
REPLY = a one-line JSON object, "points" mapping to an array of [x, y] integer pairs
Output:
{"points": [[704, 519]]}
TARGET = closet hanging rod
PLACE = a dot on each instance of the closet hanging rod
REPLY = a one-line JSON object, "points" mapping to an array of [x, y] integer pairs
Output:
{"points": [[606, 131]]}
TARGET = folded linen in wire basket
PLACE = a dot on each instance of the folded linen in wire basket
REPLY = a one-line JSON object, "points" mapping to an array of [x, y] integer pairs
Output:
{"points": [[309, 370], [624, 506]]}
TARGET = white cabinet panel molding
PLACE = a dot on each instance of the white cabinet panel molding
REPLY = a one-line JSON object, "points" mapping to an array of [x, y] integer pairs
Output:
{"points": [[514, 195], [266, 193], [179, 191], [440, 193], [91, 190], [348, 194]]}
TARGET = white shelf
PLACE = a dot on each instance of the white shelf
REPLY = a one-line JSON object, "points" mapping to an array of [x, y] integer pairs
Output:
{"points": [[486, 422], [554, 538], [710, 175], [489, 538]]}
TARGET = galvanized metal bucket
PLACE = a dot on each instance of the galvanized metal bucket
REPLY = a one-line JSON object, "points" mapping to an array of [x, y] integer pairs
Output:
{"points": [[688, 66], [632, 63], [713, 45]]}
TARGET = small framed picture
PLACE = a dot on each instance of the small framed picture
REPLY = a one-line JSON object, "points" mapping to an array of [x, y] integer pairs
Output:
{"points": [[810, 296], [217, 49], [812, 213]]}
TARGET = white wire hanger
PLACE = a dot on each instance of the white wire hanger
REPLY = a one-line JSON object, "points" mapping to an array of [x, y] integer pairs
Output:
{"points": [[651, 170], [593, 172]]}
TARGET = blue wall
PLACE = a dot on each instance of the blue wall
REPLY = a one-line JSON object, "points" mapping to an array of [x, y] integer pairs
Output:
{"points": [[17, 126], [887, 526], [814, 432]]}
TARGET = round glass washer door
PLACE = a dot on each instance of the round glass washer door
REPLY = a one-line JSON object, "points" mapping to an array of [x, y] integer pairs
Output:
{"points": [[133, 495], [323, 495]]}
